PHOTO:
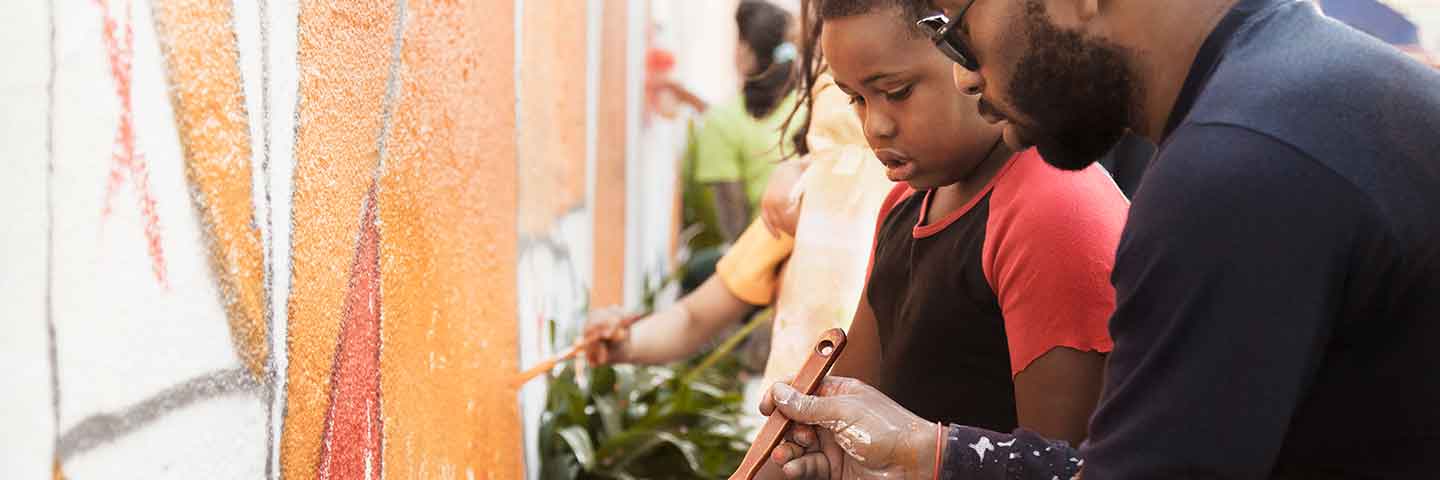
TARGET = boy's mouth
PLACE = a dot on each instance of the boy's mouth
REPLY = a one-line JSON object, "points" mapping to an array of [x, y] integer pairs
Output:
{"points": [[898, 166]]}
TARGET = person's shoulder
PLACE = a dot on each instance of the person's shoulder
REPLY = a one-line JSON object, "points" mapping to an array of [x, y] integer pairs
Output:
{"points": [[898, 193], [1215, 155], [1028, 186], [727, 112], [1035, 207], [1209, 174], [1296, 75]]}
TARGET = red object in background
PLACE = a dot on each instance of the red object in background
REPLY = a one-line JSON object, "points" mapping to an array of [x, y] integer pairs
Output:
{"points": [[659, 63], [125, 159]]}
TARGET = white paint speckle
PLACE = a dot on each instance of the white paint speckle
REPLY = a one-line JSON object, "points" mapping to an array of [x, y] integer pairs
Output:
{"points": [[982, 446], [1007, 444]]}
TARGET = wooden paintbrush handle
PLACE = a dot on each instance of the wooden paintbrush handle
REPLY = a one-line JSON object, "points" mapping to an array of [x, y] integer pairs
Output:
{"points": [[826, 351], [580, 345]]}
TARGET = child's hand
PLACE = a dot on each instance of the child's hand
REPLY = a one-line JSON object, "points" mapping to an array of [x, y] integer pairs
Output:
{"points": [[780, 206], [608, 325]]}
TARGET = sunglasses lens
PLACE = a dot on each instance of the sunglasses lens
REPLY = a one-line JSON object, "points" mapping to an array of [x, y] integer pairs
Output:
{"points": [[957, 54], [953, 49]]}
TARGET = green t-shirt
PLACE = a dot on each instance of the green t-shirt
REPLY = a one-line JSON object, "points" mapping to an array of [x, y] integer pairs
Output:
{"points": [[728, 145]]}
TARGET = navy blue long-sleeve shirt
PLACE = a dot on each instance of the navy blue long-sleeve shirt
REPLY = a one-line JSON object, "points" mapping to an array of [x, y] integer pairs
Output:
{"points": [[1278, 280]]}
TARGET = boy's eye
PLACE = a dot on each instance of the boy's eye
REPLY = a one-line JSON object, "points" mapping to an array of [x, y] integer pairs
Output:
{"points": [[857, 100], [901, 94]]}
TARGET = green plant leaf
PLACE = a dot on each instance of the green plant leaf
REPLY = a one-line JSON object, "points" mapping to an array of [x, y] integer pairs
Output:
{"points": [[707, 389], [686, 447], [609, 416], [579, 441], [639, 422], [721, 351]]}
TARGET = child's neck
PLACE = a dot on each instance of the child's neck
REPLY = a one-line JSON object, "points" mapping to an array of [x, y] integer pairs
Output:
{"points": [[949, 198]]}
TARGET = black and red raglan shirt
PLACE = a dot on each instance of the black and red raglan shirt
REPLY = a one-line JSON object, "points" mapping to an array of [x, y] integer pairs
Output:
{"points": [[964, 304]]}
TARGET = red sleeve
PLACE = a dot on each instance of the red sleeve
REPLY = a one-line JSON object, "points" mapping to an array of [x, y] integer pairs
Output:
{"points": [[1049, 247], [899, 192]]}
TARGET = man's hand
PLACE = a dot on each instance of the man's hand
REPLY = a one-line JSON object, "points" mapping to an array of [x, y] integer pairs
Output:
{"points": [[780, 206], [850, 431]]}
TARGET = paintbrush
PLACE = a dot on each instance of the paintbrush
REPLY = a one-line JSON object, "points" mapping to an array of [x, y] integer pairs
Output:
{"points": [[569, 353], [816, 367]]}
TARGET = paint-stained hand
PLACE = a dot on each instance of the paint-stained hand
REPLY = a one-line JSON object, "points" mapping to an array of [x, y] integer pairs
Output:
{"points": [[780, 206], [609, 326], [849, 430]]}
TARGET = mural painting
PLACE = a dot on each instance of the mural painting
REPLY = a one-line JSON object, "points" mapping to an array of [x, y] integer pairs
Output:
{"points": [[277, 240]]}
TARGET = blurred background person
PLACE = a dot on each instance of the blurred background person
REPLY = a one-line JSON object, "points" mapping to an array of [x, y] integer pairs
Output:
{"points": [[735, 144]]}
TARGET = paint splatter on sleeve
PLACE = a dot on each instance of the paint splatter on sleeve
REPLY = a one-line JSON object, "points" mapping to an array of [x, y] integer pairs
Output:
{"points": [[978, 454]]}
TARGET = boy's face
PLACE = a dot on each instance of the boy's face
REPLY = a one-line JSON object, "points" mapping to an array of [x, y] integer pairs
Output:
{"points": [[924, 130], [1070, 93]]}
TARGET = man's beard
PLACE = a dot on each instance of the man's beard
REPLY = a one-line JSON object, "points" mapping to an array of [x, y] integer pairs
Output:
{"points": [[1076, 92]]}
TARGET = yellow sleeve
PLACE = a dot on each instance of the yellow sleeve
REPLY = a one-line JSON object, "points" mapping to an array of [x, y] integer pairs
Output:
{"points": [[751, 268]]}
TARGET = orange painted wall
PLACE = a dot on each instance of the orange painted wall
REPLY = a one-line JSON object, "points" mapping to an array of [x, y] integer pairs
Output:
{"points": [[552, 113], [447, 263], [396, 327], [205, 91], [609, 287], [344, 55]]}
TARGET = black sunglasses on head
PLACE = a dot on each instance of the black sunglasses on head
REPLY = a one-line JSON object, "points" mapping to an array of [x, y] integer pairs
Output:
{"points": [[940, 30]]}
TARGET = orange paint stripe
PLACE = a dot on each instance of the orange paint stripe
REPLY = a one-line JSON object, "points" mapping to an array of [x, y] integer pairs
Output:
{"points": [[447, 209], [344, 63], [552, 114], [202, 61], [352, 443], [609, 208]]}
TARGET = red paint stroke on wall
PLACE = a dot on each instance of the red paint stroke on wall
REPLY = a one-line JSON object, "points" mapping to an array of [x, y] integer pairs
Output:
{"points": [[121, 51], [351, 447]]}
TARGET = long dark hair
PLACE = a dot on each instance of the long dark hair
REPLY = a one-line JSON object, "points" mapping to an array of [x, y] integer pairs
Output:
{"points": [[763, 27], [813, 14]]}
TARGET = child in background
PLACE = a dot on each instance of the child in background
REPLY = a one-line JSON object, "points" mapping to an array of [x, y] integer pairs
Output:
{"points": [[733, 147], [748, 276]]}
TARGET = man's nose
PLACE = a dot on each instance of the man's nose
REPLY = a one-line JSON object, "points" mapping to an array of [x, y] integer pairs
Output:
{"points": [[969, 83]]}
